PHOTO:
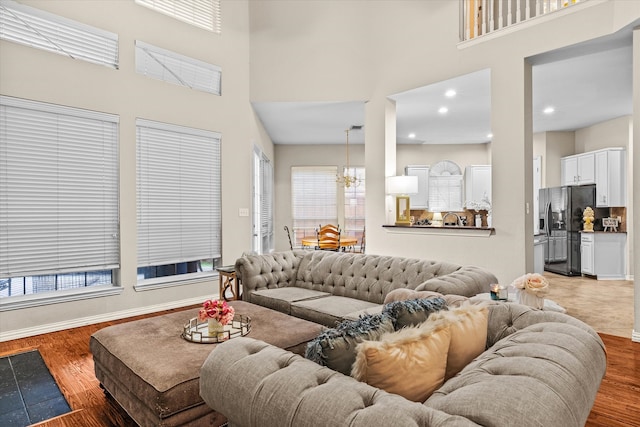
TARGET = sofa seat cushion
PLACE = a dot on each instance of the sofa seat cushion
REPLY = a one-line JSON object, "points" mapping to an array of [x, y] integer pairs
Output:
{"points": [[371, 311], [329, 310], [280, 299]]}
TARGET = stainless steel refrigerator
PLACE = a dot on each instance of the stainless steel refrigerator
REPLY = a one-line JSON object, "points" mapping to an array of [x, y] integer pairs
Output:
{"points": [[561, 211]]}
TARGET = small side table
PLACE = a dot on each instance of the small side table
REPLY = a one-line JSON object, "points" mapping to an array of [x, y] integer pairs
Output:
{"points": [[228, 280]]}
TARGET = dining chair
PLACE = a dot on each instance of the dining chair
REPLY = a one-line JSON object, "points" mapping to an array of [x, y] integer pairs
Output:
{"points": [[288, 236], [328, 237]]}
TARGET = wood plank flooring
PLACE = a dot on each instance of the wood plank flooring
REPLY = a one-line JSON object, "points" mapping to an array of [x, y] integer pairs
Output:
{"points": [[70, 362]]}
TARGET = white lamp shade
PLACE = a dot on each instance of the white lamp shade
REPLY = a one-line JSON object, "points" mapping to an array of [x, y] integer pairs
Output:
{"points": [[402, 184]]}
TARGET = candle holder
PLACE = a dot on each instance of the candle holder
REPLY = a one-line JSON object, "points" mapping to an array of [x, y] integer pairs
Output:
{"points": [[499, 293]]}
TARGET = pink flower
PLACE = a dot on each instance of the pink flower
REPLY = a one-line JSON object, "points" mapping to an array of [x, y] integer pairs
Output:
{"points": [[218, 310], [533, 283]]}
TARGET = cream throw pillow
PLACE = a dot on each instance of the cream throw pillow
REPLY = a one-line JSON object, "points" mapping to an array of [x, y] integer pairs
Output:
{"points": [[468, 324], [411, 362]]}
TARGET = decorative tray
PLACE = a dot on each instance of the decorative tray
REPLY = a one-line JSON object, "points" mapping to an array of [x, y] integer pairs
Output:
{"points": [[196, 331]]}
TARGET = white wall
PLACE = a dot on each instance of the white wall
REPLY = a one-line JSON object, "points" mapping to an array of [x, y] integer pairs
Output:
{"points": [[352, 50], [38, 75]]}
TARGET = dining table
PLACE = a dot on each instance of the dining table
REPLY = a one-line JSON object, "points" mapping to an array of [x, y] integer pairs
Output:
{"points": [[345, 242]]}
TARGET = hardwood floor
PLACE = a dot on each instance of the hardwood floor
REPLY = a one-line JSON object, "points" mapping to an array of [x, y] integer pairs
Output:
{"points": [[70, 362]]}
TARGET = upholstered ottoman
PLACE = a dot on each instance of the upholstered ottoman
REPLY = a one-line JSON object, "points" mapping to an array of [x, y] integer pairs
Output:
{"points": [[154, 374]]}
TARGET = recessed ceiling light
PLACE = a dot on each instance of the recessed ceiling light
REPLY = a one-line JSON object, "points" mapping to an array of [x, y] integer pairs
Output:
{"points": [[412, 135], [443, 110], [548, 110], [450, 93], [489, 135]]}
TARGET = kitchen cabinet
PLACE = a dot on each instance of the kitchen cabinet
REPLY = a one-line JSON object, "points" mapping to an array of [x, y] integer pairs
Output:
{"points": [[578, 169], [603, 255], [421, 199], [587, 255], [477, 185], [611, 177]]}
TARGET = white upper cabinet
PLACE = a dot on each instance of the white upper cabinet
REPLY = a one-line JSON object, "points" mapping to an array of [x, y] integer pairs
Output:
{"points": [[420, 200], [477, 186], [578, 170], [611, 173]]}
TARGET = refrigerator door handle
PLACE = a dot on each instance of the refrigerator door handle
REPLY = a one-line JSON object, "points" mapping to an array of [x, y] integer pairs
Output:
{"points": [[547, 228]]}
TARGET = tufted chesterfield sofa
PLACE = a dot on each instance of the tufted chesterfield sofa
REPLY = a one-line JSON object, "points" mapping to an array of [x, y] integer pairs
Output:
{"points": [[539, 369], [328, 287]]}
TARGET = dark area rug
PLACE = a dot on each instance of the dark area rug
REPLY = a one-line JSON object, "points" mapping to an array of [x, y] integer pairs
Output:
{"points": [[28, 392]]}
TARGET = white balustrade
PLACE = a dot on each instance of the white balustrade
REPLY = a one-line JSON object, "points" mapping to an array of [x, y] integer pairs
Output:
{"points": [[481, 17]]}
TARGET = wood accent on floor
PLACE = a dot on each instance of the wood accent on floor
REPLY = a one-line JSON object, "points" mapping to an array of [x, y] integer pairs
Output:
{"points": [[67, 355]]}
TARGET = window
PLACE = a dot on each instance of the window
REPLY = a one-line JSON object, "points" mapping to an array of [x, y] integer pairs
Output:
{"points": [[43, 30], [58, 197], [201, 13], [178, 69], [445, 187], [354, 205], [262, 203], [313, 198], [179, 205]]}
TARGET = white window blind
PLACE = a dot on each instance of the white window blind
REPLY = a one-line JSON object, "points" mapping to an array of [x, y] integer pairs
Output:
{"points": [[162, 64], [354, 203], [266, 204], [44, 30], [201, 13], [314, 199], [58, 189], [178, 188], [445, 193]]}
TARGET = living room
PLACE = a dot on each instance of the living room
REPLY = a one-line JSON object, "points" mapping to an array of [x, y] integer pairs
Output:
{"points": [[292, 51], [258, 31]]}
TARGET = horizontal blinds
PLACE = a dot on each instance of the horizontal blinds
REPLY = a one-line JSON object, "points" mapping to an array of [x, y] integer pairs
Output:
{"points": [[445, 193], [266, 204], [58, 189], [43, 30], [179, 194], [201, 13], [314, 193], [162, 64]]}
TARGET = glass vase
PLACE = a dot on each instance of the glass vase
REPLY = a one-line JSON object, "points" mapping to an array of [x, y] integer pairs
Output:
{"points": [[215, 327]]}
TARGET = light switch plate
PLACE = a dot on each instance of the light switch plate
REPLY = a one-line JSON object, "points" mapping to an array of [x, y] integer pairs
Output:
{"points": [[243, 212]]}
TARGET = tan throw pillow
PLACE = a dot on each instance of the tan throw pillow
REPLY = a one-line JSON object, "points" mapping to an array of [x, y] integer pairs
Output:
{"points": [[468, 324], [410, 362]]}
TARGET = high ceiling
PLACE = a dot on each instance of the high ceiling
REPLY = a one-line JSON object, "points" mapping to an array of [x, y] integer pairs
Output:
{"points": [[585, 84]]}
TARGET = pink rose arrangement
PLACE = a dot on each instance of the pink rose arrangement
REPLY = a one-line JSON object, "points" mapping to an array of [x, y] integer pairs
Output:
{"points": [[218, 310], [532, 283]]}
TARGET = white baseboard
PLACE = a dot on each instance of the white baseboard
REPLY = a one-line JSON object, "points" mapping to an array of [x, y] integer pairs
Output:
{"points": [[635, 336], [90, 320]]}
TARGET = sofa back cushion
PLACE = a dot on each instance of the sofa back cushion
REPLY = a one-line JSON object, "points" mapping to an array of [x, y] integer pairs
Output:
{"points": [[268, 271], [365, 277]]}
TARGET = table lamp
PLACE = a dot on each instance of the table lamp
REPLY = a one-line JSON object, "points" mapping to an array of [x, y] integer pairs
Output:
{"points": [[401, 187]]}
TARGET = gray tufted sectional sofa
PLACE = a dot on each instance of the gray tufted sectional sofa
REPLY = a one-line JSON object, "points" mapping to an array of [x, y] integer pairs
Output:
{"points": [[328, 287], [540, 369]]}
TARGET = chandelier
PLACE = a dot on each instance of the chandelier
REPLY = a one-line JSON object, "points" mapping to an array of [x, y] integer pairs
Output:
{"points": [[346, 179]]}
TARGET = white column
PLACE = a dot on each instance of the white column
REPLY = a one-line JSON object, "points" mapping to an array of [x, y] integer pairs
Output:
{"points": [[634, 155]]}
